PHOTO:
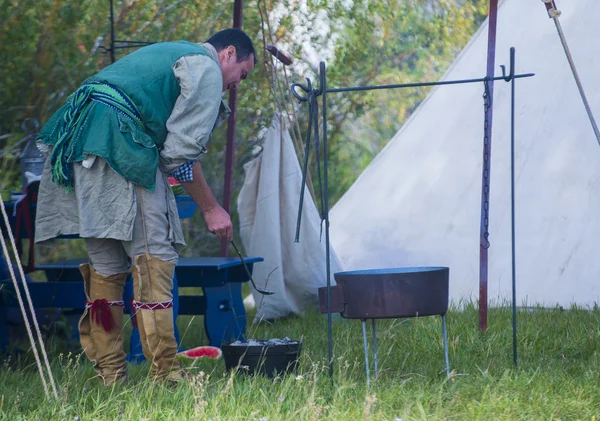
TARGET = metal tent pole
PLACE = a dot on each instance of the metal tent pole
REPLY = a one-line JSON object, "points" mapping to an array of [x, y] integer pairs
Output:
{"points": [[231, 127], [487, 151]]}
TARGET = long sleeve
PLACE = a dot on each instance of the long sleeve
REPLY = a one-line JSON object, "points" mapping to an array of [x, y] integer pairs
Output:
{"points": [[195, 113]]}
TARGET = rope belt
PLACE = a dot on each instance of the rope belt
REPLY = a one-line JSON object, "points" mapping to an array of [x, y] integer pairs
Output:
{"points": [[75, 114]]}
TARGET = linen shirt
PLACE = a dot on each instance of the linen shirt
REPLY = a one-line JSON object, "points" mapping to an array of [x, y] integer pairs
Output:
{"points": [[110, 211]]}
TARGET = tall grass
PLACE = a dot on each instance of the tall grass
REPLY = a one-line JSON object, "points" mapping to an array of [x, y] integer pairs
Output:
{"points": [[557, 377]]}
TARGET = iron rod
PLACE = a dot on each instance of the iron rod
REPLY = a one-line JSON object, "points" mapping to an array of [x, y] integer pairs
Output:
{"points": [[445, 339], [311, 110], [366, 346], [375, 361], [323, 72], [422, 84], [407, 85], [512, 203], [320, 206]]}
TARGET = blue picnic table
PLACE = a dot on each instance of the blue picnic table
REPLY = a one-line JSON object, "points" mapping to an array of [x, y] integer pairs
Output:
{"points": [[219, 278]]}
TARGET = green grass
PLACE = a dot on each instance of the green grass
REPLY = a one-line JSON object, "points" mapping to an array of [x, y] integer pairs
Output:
{"points": [[557, 377]]}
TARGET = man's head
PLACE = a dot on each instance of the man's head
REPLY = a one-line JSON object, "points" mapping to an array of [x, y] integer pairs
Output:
{"points": [[236, 54]]}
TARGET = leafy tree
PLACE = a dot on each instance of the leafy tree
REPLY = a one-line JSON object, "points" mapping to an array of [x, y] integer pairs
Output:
{"points": [[379, 43]]}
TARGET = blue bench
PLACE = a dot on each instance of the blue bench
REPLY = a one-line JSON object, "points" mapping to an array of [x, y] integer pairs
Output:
{"points": [[221, 304], [220, 278]]}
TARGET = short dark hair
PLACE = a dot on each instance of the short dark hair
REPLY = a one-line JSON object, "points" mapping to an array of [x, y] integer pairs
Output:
{"points": [[236, 37]]}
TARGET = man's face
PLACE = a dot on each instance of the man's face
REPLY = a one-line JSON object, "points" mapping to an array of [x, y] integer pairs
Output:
{"points": [[234, 71]]}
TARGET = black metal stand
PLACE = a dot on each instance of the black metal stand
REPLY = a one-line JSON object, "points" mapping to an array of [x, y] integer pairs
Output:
{"points": [[512, 204], [311, 97], [116, 44], [375, 359]]}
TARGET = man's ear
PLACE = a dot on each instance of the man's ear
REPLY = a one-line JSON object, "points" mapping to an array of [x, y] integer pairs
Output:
{"points": [[231, 51]]}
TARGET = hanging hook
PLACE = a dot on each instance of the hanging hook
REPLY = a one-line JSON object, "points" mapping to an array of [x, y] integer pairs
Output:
{"points": [[305, 88], [506, 78], [511, 75]]}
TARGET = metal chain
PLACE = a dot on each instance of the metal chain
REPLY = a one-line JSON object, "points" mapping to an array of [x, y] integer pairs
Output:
{"points": [[487, 104]]}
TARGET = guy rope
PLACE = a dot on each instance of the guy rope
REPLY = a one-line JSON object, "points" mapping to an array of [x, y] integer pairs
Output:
{"points": [[34, 344]]}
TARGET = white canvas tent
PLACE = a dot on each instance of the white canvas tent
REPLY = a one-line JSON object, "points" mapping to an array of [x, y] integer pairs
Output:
{"points": [[418, 202]]}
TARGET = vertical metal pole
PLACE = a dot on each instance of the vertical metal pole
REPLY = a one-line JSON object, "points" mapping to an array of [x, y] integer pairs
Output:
{"points": [[445, 339], [112, 33], [231, 127], [366, 346], [375, 361], [512, 202], [323, 75], [483, 247], [312, 101]]}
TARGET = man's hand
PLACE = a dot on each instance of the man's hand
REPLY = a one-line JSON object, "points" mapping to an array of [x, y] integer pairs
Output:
{"points": [[219, 222], [217, 219]]}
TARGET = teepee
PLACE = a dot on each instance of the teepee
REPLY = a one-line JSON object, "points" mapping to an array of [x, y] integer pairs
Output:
{"points": [[418, 202]]}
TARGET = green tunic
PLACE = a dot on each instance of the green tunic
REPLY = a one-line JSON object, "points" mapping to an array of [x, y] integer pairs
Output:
{"points": [[103, 204], [142, 89]]}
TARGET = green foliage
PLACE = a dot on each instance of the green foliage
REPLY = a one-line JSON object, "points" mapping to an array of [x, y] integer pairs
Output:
{"points": [[380, 43]]}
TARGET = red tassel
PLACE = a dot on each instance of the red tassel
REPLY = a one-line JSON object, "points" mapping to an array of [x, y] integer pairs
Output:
{"points": [[101, 314], [133, 312]]}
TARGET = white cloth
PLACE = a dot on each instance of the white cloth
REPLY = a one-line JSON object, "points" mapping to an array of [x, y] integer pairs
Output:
{"points": [[268, 209]]}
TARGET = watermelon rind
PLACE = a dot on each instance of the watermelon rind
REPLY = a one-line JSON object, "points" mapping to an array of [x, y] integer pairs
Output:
{"points": [[201, 352]]}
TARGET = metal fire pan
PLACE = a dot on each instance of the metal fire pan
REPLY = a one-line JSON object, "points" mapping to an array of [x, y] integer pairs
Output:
{"points": [[388, 293]]}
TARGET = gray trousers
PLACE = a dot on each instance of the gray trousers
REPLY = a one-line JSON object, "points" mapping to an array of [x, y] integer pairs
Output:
{"points": [[150, 229]]}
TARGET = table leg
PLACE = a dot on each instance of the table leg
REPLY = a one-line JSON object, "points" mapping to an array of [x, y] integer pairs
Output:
{"points": [[225, 317]]}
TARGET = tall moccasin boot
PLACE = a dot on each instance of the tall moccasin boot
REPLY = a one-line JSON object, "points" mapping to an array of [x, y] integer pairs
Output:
{"points": [[153, 304], [101, 325], [85, 325]]}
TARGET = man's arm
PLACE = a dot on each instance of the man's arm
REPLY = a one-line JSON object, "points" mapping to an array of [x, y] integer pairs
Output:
{"points": [[195, 112], [217, 219]]}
